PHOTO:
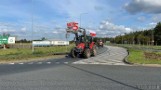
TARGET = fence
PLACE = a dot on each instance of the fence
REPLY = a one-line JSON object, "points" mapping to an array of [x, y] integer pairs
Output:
{"points": [[27, 46]]}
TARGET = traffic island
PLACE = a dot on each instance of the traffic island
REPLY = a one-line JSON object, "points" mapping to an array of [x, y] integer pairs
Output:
{"points": [[138, 58]]}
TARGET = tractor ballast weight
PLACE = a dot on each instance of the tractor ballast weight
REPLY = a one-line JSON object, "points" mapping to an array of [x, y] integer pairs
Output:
{"points": [[84, 45]]}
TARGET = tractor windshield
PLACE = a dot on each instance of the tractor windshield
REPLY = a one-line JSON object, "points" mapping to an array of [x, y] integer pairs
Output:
{"points": [[81, 39]]}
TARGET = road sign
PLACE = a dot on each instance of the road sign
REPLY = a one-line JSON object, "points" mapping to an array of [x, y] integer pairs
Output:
{"points": [[3, 39], [7, 40], [11, 40]]}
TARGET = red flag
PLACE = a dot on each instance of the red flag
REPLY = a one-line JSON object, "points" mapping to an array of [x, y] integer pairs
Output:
{"points": [[92, 33], [72, 25], [75, 28]]}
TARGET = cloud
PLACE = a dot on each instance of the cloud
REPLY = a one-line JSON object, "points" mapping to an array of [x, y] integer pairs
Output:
{"points": [[156, 18], [6, 28], [145, 6], [141, 18], [98, 8], [55, 32], [23, 29], [152, 23], [112, 30], [72, 8], [7, 31], [50, 16]]}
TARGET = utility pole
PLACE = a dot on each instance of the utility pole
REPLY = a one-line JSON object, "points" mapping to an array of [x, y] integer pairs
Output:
{"points": [[152, 38]]}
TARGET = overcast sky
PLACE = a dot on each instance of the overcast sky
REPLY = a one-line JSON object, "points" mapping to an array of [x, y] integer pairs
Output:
{"points": [[108, 18]]}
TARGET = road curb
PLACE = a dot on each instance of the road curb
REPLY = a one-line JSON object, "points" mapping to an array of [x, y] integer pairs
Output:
{"points": [[126, 58]]}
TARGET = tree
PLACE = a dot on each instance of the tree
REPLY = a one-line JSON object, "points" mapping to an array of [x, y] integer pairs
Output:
{"points": [[43, 38], [157, 34], [152, 36], [6, 34]]}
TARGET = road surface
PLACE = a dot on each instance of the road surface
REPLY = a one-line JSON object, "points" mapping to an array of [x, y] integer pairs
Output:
{"points": [[68, 74], [111, 56]]}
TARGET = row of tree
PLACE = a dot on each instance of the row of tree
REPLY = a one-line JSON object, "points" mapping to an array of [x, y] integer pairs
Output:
{"points": [[146, 37]]}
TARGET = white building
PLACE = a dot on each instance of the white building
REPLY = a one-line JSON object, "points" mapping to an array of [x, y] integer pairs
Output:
{"points": [[50, 42]]}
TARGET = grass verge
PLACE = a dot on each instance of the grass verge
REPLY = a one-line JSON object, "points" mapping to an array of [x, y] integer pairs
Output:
{"points": [[14, 55], [137, 56]]}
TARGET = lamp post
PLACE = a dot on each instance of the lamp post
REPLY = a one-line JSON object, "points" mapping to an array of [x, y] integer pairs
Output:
{"points": [[32, 21], [81, 17]]}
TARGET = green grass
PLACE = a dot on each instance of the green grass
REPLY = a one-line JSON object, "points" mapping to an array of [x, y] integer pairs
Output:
{"points": [[21, 54], [136, 53], [137, 56], [139, 46]]}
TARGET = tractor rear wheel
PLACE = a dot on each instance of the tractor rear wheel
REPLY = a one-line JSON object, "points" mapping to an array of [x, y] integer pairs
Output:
{"points": [[73, 53], [93, 51], [87, 53]]}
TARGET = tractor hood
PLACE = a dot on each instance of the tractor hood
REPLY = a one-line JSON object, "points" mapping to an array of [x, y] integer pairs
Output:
{"points": [[80, 46]]}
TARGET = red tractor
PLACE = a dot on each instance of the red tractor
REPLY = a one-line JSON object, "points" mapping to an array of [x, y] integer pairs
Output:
{"points": [[100, 43], [84, 43]]}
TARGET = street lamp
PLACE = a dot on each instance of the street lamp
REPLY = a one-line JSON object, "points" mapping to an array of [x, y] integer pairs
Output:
{"points": [[32, 21], [81, 17]]}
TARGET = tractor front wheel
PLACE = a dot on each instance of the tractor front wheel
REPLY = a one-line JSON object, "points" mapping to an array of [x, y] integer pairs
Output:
{"points": [[73, 53], [87, 53]]}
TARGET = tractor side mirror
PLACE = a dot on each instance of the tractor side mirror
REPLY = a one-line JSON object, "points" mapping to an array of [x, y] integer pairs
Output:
{"points": [[91, 39]]}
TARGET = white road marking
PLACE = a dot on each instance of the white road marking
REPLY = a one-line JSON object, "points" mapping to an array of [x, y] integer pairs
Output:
{"points": [[48, 62], [30, 63], [21, 63], [120, 64], [57, 62], [39, 63], [65, 62], [12, 63]]}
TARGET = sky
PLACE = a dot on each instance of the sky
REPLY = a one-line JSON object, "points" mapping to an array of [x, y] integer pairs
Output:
{"points": [[108, 18]]}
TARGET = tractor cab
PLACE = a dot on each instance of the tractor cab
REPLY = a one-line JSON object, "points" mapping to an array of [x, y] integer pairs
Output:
{"points": [[82, 38]]}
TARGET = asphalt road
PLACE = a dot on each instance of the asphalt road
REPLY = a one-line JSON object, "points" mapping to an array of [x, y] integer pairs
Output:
{"points": [[62, 74], [110, 56]]}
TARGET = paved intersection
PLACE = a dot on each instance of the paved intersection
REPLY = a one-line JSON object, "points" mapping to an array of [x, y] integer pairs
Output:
{"points": [[109, 55], [112, 56]]}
